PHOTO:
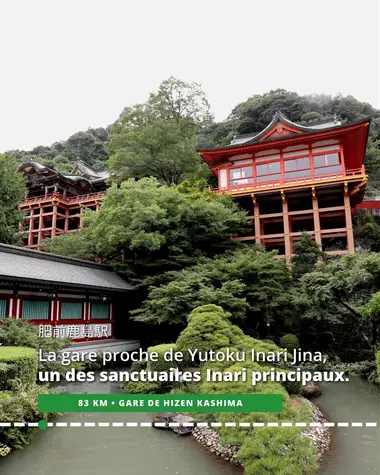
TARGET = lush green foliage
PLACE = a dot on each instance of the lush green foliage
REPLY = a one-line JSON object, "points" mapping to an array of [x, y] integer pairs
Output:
{"points": [[158, 138], [18, 371], [367, 232], [378, 366], [12, 191], [261, 451], [90, 146], [161, 364], [290, 342], [337, 293], [252, 286], [142, 387], [18, 333], [20, 405], [208, 329], [306, 254], [154, 227], [21, 364]]}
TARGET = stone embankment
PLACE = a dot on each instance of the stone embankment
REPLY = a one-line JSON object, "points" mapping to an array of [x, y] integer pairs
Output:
{"points": [[210, 439]]}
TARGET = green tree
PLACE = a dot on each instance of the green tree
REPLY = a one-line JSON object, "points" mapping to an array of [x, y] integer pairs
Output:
{"points": [[252, 286], [161, 149], [87, 146], [208, 329], [158, 138], [179, 100], [12, 192], [339, 292], [371, 310], [306, 255], [367, 232], [90, 146], [261, 451], [19, 333], [154, 228]]}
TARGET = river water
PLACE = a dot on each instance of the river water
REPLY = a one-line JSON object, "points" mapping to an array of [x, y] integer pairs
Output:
{"points": [[354, 450], [146, 451]]}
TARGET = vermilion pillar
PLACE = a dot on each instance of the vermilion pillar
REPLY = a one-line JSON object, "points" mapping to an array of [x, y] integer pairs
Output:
{"points": [[54, 220], [256, 211], [347, 211], [317, 223], [285, 215], [31, 227]]}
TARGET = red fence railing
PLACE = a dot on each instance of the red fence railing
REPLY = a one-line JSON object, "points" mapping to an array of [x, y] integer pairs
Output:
{"points": [[65, 199], [288, 181]]}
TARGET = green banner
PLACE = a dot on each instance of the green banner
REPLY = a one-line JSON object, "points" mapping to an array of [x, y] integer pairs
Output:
{"points": [[160, 403]]}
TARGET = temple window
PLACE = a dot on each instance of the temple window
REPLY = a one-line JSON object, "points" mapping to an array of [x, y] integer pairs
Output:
{"points": [[35, 310], [241, 176], [71, 311], [297, 167], [268, 171], [327, 163], [100, 311], [3, 308]]}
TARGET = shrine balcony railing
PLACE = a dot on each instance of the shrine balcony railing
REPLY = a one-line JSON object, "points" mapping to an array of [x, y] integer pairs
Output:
{"points": [[65, 199], [309, 179]]}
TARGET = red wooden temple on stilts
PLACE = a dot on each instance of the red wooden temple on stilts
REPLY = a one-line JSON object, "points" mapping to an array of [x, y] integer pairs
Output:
{"points": [[294, 179], [56, 201]]}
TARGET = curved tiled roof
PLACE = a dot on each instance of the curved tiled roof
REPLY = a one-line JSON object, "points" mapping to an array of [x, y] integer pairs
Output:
{"points": [[18, 264], [49, 171]]}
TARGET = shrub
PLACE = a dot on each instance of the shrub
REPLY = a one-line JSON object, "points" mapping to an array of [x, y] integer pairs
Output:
{"points": [[161, 364], [293, 387], [22, 333], [140, 387], [283, 452], [20, 363], [289, 342], [18, 333], [378, 365], [208, 329], [21, 406], [139, 365]]}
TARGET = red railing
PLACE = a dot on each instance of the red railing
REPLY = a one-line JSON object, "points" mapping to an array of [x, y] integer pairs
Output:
{"points": [[65, 199], [298, 180]]}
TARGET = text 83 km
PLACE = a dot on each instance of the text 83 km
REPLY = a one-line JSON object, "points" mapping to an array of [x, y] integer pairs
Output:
{"points": [[94, 403]]}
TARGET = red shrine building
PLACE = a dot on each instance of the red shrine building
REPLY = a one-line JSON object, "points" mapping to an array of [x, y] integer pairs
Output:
{"points": [[56, 201], [65, 297], [294, 179]]}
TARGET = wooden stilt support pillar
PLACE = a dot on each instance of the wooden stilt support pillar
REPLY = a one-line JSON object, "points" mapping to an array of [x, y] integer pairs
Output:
{"points": [[317, 223], [288, 244], [66, 220], [81, 217], [347, 210], [256, 211], [54, 221], [31, 227], [40, 226]]}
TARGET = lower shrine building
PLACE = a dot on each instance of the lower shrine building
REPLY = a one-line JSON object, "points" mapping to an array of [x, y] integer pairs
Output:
{"points": [[56, 201], [294, 179], [65, 297]]}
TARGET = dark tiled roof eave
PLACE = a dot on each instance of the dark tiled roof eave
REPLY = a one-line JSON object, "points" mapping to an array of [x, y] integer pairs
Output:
{"points": [[20, 264]]}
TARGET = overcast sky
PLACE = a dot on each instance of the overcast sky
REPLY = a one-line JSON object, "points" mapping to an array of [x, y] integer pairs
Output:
{"points": [[67, 65]]}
